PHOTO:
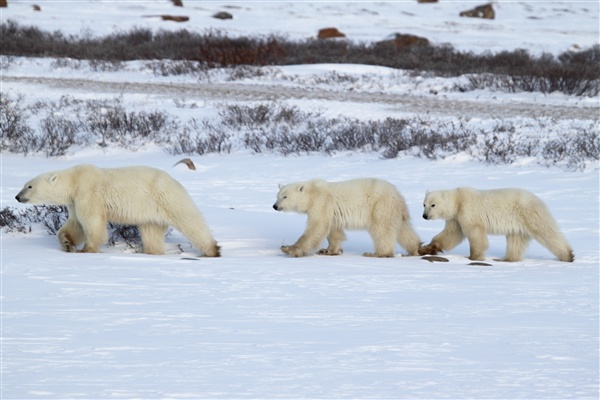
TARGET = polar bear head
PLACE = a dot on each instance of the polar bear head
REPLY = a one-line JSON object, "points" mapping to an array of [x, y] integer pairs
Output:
{"points": [[43, 189], [439, 204], [293, 197]]}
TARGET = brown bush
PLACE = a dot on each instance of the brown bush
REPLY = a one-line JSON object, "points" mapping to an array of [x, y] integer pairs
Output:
{"points": [[219, 51], [402, 40], [575, 73]]}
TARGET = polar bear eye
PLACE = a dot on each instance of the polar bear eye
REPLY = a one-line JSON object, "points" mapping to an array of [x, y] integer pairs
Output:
{"points": [[29, 187], [433, 205]]}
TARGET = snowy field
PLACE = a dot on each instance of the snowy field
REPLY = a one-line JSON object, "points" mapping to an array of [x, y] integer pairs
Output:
{"points": [[257, 324]]}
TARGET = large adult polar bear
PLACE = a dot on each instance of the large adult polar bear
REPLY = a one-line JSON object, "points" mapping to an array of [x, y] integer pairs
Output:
{"points": [[142, 196], [371, 204], [470, 213]]}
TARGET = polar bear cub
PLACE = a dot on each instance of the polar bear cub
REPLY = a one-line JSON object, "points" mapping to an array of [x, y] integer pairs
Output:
{"points": [[142, 196], [470, 213], [371, 204]]}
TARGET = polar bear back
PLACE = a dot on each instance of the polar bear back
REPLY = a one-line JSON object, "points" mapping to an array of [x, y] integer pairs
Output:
{"points": [[353, 202], [129, 195], [502, 211]]}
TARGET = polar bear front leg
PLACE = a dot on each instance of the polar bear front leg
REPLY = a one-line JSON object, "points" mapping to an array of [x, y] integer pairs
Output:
{"points": [[94, 227], [70, 235], [446, 240], [478, 242], [313, 236], [335, 239], [67, 244], [69, 239]]}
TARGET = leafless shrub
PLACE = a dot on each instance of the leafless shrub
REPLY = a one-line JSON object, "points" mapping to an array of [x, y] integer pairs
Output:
{"points": [[69, 63], [111, 123], [6, 62], [49, 216], [275, 127], [177, 67], [499, 149], [128, 234], [10, 221], [574, 73], [335, 77], [70, 122], [16, 136], [284, 129], [241, 72], [106, 65], [200, 137], [574, 151], [57, 134]]}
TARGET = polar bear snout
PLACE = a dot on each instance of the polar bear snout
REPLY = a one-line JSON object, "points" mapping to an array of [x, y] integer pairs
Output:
{"points": [[20, 198], [275, 207], [425, 216]]}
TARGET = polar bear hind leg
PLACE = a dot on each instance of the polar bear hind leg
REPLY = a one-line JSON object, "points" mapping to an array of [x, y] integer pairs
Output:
{"points": [[515, 247], [195, 229], [408, 239], [334, 239], [544, 229], [384, 238], [153, 238], [554, 241]]}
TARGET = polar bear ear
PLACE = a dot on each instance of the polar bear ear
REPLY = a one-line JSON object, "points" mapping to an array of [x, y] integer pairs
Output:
{"points": [[280, 185], [52, 179]]}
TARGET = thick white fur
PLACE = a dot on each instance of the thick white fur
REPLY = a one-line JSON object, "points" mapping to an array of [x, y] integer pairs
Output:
{"points": [[371, 204], [142, 196], [516, 213]]}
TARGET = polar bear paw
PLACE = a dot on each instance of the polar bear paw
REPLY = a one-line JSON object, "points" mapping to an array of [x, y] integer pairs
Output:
{"points": [[431, 248], [66, 243], [330, 252], [293, 251]]}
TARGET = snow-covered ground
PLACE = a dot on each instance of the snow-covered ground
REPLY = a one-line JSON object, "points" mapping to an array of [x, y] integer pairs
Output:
{"points": [[257, 324]]}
